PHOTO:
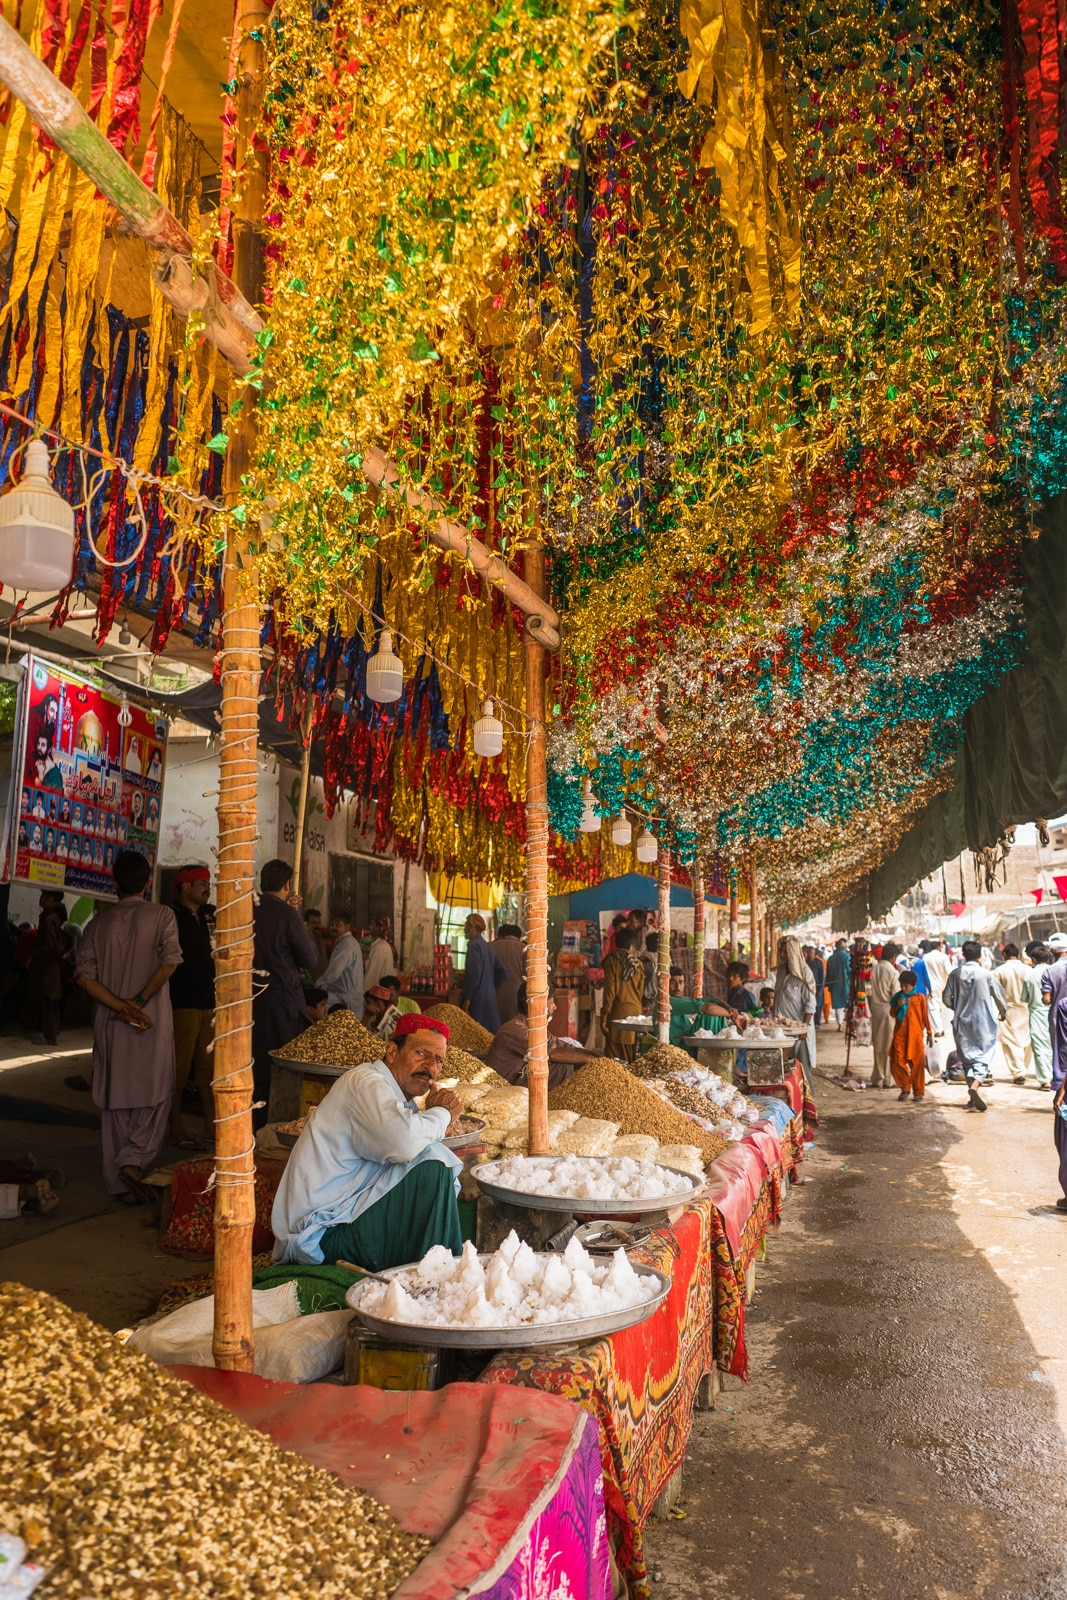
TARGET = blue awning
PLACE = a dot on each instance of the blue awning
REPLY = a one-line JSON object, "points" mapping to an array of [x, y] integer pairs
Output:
{"points": [[632, 891]]}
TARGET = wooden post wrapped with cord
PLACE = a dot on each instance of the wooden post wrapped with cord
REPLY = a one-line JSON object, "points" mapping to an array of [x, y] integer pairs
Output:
{"points": [[733, 913], [753, 913], [536, 867], [235, 1177], [698, 932], [663, 948]]}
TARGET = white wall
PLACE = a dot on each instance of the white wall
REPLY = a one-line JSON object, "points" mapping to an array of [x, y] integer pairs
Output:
{"points": [[188, 823]]}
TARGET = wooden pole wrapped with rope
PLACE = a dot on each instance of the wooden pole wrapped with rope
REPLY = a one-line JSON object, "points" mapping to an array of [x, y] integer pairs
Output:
{"points": [[536, 863], [663, 947], [698, 932], [753, 913], [235, 1176]]}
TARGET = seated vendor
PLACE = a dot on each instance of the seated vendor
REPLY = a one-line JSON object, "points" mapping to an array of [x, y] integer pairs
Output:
{"points": [[507, 1053], [379, 1012], [316, 1003], [737, 996], [688, 1014], [369, 1180], [766, 1003]]}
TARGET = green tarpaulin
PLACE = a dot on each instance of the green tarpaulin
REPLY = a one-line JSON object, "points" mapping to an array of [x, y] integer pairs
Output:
{"points": [[1012, 765]]}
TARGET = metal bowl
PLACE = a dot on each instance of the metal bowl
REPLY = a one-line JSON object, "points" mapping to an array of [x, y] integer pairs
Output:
{"points": [[460, 1141], [588, 1208], [288, 1139], [581, 1330]]}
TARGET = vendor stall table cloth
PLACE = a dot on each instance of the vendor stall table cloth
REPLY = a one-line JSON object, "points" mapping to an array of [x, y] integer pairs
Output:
{"points": [[190, 1229], [506, 1483]]}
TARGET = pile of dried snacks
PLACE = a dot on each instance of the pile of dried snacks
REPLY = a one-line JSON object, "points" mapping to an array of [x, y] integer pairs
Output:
{"points": [[458, 1064], [661, 1059], [339, 1040], [126, 1482], [691, 1101], [603, 1088], [466, 1033]]}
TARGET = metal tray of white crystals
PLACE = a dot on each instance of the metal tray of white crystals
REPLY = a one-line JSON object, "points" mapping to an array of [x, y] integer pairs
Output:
{"points": [[589, 1208], [581, 1330]]}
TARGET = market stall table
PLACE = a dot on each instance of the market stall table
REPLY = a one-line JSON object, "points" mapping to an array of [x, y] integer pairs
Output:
{"points": [[507, 1485]]}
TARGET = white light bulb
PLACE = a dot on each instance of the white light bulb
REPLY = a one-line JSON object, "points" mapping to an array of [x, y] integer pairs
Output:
{"points": [[385, 673], [621, 831], [36, 528], [488, 733], [590, 822], [647, 846]]}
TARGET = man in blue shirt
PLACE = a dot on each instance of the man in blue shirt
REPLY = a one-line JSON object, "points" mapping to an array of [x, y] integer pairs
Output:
{"points": [[369, 1180]]}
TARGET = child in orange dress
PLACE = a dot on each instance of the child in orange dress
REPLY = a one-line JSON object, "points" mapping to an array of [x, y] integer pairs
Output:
{"points": [[907, 1056]]}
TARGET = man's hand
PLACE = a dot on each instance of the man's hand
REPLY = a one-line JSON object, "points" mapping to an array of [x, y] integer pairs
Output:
{"points": [[295, 900], [444, 1097], [131, 1013], [1058, 1098]]}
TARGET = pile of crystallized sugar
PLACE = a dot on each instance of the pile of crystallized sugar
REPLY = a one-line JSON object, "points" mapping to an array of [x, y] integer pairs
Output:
{"points": [[514, 1288], [582, 1178]]}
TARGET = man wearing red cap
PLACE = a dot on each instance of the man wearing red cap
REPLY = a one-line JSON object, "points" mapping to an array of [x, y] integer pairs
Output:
{"points": [[192, 1000], [369, 1180]]}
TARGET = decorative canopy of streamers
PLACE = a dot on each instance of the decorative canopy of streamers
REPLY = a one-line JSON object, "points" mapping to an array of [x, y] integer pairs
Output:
{"points": [[752, 310]]}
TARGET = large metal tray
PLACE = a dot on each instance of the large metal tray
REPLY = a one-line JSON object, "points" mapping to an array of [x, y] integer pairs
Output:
{"points": [[589, 1208], [581, 1330], [313, 1067]]}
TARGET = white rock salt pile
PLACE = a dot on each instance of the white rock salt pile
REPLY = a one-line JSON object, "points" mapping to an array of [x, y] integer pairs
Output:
{"points": [[512, 1288], [584, 1178]]}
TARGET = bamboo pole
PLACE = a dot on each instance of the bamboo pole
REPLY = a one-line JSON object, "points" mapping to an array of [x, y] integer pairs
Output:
{"points": [[663, 946], [230, 322], [698, 934], [235, 1212], [542, 618], [753, 913], [536, 867], [733, 913], [302, 794]]}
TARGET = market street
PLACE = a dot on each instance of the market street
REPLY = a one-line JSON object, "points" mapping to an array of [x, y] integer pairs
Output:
{"points": [[902, 1434]]}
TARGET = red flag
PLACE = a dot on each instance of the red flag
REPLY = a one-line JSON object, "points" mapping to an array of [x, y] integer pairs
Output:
{"points": [[1037, 894], [1061, 887], [957, 906]]}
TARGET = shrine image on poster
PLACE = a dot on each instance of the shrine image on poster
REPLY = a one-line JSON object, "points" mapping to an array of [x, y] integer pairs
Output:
{"points": [[89, 781]]}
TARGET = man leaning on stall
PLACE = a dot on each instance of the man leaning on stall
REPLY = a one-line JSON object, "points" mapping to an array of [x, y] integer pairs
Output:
{"points": [[369, 1180]]}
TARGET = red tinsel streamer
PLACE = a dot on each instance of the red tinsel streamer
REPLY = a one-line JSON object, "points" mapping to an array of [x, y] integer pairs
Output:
{"points": [[1039, 25]]}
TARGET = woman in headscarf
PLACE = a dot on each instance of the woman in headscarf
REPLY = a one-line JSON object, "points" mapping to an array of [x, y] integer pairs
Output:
{"points": [[624, 994], [794, 996]]}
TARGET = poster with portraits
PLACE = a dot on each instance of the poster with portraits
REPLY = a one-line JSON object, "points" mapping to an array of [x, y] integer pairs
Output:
{"points": [[87, 782]]}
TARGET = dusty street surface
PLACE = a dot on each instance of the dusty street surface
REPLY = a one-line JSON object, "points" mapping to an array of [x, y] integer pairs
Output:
{"points": [[902, 1432]]}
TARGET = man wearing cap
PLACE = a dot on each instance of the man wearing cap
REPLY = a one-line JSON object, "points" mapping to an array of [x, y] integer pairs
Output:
{"points": [[379, 1012], [192, 1001], [1054, 994], [369, 1180]]}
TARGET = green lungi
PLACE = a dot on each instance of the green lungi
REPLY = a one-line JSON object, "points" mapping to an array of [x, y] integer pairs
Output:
{"points": [[400, 1227]]}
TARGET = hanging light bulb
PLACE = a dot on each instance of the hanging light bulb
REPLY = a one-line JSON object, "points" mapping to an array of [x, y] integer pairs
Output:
{"points": [[36, 528], [590, 822], [488, 733], [647, 846], [385, 673], [621, 831], [125, 636], [125, 716]]}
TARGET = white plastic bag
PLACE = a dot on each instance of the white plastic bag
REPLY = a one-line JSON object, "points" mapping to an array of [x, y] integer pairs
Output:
{"points": [[183, 1337]]}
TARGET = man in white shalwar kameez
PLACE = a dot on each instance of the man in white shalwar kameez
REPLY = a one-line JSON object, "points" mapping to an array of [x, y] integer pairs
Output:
{"points": [[1012, 975], [125, 959], [978, 1004]]}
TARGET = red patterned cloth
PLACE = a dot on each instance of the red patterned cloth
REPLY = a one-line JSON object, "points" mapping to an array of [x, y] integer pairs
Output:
{"points": [[190, 1230], [641, 1384]]}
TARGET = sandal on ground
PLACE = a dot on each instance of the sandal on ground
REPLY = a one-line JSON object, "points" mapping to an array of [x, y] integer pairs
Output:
{"points": [[128, 1201], [79, 1083], [975, 1099], [903, 1095], [133, 1178], [1061, 1205]]}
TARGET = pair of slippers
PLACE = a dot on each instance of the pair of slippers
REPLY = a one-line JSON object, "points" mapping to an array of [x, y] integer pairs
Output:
{"points": [[139, 1193]]}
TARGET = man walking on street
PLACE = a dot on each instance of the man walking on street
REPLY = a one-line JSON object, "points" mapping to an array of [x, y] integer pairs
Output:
{"points": [[1015, 1029], [884, 985], [125, 958], [978, 1004], [837, 976], [192, 999]]}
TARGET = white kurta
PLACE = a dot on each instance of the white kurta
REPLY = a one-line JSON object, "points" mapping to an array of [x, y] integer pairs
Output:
{"points": [[885, 981], [1014, 1033]]}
